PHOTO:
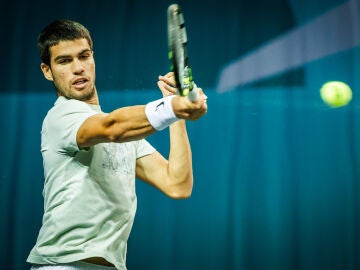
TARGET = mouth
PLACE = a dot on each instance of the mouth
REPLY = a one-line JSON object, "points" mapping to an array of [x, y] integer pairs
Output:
{"points": [[80, 83]]}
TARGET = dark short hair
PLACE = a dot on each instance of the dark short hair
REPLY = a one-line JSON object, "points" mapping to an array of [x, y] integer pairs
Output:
{"points": [[60, 30]]}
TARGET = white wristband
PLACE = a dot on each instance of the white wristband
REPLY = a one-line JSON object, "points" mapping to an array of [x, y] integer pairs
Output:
{"points": [[160, 113]]}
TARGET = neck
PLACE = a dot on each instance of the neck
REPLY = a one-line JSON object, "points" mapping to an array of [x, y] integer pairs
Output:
{"points": [[94, 100]]}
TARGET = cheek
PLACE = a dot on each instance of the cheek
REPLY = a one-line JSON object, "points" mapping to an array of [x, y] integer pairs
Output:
{"points": [[92, 67], [60, 80], [92, 70], [61, 76]]}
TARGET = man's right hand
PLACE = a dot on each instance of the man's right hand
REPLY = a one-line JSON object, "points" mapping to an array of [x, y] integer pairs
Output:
{"points": [[190, 110]]}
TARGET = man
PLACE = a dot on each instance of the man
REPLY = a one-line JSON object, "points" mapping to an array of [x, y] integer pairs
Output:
{"points": [[91, 158]]}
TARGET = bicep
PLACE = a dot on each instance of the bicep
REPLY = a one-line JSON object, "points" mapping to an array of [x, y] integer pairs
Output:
{"points": [[92, 131]]}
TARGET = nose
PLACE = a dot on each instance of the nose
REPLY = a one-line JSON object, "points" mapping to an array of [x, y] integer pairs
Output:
{"points": [[77, 66]]}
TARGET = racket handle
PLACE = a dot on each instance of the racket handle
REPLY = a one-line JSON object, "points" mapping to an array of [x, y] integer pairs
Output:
{"points": [[193, 94]]}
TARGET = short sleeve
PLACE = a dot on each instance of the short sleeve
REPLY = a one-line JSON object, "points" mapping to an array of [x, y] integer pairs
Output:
{"points": [[62, 123], [144, 148]]}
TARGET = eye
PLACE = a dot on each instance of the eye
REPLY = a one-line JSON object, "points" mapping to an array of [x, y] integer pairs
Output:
{"points": [[84, 56], [64, 61]]}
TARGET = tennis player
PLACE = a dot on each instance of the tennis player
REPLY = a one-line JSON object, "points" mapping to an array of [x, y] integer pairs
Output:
{"points": [[91, 158]]}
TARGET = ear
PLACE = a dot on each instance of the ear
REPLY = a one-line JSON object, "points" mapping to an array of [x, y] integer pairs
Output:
{"points": [[47, 72]]}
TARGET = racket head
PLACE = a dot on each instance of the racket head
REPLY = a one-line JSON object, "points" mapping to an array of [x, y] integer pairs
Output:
{"points": [[177, 42]]}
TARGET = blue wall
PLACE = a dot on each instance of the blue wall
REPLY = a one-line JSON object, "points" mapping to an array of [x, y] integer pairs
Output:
{"points": [[277, 179]]}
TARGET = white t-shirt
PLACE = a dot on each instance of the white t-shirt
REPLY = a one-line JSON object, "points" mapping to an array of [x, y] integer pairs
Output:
{"points": [[89, 195]]}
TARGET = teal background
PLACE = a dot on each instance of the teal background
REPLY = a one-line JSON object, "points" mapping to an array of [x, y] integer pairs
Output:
{"points": [[277, 178]]}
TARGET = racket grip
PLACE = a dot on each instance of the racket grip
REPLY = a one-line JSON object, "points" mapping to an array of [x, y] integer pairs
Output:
{"points": [[193, 94]]}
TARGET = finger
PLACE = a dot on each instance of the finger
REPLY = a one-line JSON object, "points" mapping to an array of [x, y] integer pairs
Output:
{"points": [[166, 89], [201, 92], [170, 75], [168, 80], [202, 111], [170, 88], [167, 76]]}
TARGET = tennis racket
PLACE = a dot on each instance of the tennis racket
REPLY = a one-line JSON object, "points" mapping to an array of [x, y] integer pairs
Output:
{"points": [[178, 56]]}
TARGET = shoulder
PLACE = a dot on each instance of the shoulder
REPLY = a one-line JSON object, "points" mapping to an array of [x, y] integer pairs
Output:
{"points": [[67, 114], [62, 104], [66, 107]]}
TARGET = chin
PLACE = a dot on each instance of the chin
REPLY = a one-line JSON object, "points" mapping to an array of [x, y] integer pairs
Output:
{"points": [[87, 96]]}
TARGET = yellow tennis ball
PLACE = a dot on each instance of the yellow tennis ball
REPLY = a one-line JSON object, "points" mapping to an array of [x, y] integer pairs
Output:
{"points": [[336, 93]]}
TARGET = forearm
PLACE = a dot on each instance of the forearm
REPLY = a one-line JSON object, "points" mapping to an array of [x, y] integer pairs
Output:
{"points": [[140, 121], [180, 159], [129, 123], [121, 125]]}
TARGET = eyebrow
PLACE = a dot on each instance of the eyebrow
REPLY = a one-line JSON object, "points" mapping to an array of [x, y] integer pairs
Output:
{"points": [[59, 57]]}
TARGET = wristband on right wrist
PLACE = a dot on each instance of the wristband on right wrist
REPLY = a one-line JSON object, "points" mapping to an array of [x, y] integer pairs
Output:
{"points": [[160, 113]]}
